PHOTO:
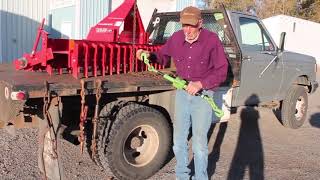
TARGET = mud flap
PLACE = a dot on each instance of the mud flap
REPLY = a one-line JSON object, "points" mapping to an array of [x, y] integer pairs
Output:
{"points": [[49, 158]]}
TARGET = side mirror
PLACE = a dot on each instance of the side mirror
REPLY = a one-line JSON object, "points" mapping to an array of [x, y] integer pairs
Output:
{"points": [[281, 44]]}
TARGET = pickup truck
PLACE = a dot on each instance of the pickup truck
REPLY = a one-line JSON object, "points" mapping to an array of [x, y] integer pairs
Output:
{"points": [[126, 123]]}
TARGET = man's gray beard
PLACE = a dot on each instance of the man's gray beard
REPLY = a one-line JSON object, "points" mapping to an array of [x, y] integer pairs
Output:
{"points": [[191, 40]]}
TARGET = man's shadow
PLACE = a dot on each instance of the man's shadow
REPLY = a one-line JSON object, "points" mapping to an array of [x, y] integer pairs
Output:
{"points": [[248, 155], [315, 120], [214, 156]]}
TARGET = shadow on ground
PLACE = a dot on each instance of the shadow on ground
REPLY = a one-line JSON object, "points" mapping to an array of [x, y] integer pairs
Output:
{"points": [[248, 155], [315, 120], [214, 156]]}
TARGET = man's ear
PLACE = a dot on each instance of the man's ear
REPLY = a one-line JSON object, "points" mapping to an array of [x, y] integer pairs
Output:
{"points": [[200, 23]]}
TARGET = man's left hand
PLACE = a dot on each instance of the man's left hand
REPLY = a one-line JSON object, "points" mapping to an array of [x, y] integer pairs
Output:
{"points": [[194, 87]]}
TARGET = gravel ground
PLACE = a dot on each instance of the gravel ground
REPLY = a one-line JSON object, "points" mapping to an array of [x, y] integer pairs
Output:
{"points": [[252, 145]]}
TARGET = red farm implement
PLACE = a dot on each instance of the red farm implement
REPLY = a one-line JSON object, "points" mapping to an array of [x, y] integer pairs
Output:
{"points": [[109, 48]]}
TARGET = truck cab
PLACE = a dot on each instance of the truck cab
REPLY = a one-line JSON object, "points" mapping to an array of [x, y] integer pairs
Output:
{"points": [[266, 70], [259, 71]]}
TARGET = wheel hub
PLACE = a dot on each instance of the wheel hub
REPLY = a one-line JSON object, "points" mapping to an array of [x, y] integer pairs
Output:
{"points": [[300, 108], [136, 142], [141, 145]]}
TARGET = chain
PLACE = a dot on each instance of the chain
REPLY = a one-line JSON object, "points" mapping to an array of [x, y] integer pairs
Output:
{"points": [[83, 115], [134, 34], [134, 22], [96, 117]]}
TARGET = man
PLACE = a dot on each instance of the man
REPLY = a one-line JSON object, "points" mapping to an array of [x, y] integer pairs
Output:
{"points": [[199, 58]]}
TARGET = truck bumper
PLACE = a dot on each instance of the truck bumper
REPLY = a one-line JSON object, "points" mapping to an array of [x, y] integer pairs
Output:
{"points": [[9, 109], [314, 86]]}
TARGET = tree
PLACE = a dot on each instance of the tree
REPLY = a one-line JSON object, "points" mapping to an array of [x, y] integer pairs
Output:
{"points": [[309, 9], [237, 5], [275, 7]]}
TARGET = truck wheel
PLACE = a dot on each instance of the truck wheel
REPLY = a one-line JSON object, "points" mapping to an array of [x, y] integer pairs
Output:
{"points": [[107, 115], [294, 107], [138, 144]]}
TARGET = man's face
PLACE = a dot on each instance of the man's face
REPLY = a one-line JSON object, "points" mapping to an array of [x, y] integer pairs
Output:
{"points": [[190, 31]]}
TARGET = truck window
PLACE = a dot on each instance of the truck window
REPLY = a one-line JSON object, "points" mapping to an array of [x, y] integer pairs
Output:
{"points": [[167, 25], [216, 24], [172, 26], [253, 37]]}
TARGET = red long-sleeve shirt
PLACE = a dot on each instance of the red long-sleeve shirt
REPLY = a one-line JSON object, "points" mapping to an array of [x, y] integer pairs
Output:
{"points": [[204, 60]]}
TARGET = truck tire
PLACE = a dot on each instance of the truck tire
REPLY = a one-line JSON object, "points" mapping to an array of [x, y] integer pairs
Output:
{"points": [[138, 143], [294, 107], [106, 117]]}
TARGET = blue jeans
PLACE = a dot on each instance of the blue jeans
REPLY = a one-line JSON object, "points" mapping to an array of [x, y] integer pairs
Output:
{"points": [[196, 111]]}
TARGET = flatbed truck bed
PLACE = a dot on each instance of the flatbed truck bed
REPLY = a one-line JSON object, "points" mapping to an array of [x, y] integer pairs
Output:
{"points": [[66, 85]]}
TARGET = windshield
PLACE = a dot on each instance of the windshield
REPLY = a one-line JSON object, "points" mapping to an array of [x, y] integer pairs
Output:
{"points": [[165, 25]]}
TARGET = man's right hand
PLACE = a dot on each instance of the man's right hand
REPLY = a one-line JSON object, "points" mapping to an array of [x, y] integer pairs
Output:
{"points": [[139, 52]]}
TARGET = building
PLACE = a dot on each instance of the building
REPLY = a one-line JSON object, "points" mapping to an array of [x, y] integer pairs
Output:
{"points": [[146, 7], [73, 18], [301, 35], [18, 26], [180, 4]]}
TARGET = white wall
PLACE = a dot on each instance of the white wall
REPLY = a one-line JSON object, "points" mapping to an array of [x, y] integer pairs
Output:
{"points": [[302, 35], [146, 7]]}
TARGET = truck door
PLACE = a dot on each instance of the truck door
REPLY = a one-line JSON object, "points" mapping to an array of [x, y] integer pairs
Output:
{"points": [[258, 52]]}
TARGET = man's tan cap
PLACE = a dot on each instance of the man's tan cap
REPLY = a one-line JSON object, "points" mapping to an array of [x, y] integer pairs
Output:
{"points": [[190, 15]]}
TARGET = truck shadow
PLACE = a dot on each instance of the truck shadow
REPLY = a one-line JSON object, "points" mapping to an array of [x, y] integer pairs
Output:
{"points": [[277, 114], [315, 120], [248, 155]]}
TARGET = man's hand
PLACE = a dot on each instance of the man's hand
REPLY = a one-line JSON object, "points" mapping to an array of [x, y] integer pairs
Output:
{"points": [[194, 87], [139, 52]]}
